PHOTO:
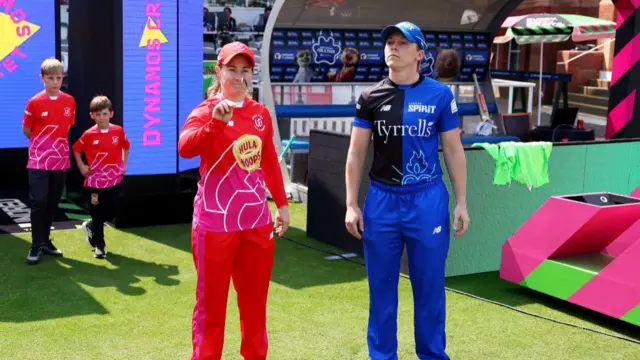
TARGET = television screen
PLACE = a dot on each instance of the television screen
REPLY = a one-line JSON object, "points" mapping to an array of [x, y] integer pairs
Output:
{"points": [[27, 38], [162, 81]]}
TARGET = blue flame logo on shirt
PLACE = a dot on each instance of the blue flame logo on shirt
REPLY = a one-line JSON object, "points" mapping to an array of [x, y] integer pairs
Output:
{"points": [[325, 50], [426, 66], [417, 168]]}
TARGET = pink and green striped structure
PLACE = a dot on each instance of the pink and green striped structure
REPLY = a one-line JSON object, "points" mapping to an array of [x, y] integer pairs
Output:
{"points": [[550, 28], [588, 255]]}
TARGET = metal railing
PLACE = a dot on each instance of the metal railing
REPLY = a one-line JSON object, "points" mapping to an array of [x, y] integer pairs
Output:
{"points": [[586, 52], [347, 93], [511, 84]]}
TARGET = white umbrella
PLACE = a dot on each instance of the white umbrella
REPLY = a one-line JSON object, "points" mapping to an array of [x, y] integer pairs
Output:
{"points": [[553, 28]]}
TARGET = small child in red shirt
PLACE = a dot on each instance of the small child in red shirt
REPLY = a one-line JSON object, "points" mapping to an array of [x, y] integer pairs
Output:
{"points": [[106, 148]]}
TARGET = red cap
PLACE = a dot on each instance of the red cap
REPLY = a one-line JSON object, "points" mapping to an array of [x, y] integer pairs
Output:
{"points": [[233, 49]]}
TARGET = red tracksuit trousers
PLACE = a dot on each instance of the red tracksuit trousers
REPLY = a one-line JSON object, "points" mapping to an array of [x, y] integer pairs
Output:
{"points": [[247, 258]]}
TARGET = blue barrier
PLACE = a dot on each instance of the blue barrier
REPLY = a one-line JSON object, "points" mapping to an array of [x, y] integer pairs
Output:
{"points": [[530, 75], [466, 140], [297, 144], [315, 111], [470, 140], [328, 111]]}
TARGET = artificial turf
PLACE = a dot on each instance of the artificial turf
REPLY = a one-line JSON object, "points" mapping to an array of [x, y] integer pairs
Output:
{"points": [[137, 304]]}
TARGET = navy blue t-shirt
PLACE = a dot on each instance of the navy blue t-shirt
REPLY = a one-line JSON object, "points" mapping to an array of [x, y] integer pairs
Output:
{"points": [[405, 121]]}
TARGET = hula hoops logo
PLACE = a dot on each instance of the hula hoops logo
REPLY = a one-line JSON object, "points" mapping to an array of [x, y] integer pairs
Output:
{"points": [[247, 151]]}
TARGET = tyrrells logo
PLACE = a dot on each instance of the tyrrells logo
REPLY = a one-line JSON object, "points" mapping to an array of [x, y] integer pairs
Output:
{"points": [[423, 129]]}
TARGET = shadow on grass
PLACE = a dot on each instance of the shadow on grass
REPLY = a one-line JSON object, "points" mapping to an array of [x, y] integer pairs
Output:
{"points": [[491, 287], [53, 289], [177, 236], [299, 267], [124, 277], [295, 266]]}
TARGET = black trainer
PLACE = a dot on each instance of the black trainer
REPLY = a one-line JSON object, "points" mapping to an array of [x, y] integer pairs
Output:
{"points": [[33, 257], [49, 249]]}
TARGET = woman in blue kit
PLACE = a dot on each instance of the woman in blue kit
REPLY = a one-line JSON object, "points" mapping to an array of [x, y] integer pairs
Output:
{"points": [[407, 203]]}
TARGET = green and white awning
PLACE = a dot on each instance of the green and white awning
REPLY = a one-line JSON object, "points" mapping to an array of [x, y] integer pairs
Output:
{"points": [[547, 28]]}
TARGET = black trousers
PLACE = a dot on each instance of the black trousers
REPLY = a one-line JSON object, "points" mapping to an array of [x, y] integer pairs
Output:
{"points": [[103, 206], [45, 191]]}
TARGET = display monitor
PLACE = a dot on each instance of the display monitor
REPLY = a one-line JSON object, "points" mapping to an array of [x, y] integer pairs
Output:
{"points": [[27, 38], [162, 81]]}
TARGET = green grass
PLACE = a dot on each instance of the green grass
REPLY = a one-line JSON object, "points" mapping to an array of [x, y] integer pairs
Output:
{"points": [[138, 305]]}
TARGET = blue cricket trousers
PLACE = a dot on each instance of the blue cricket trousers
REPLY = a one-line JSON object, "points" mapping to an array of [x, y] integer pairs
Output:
{"points": [[418, 216]]}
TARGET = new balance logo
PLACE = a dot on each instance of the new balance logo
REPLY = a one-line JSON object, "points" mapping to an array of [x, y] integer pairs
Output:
{"points": [[385, 108]]}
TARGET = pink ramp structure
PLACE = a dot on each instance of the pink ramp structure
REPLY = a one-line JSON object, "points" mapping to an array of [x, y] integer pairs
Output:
{"points": [[584, 249]]}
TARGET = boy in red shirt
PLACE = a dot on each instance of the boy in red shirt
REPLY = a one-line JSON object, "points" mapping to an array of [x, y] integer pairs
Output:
{"points": [[47, 119], [106, 148]]}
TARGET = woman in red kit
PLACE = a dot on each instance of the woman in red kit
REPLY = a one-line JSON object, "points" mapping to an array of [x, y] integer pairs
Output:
{"points": [[232, 235]]}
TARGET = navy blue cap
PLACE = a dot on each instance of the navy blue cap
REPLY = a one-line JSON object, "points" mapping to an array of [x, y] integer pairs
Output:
{"points": [[410, 31]]}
